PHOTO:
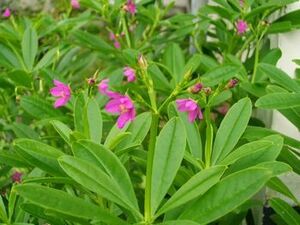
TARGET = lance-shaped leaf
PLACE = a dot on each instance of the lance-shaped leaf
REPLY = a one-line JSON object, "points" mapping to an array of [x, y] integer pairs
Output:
{"points": [[231, 129], [178, 222], [285, 211], [228, 194], [92, 121], [29, 47], [68, 206], [103, 158], [40, 155], [63, 130], [169, 152], [279, 101], [279, 77], [194, 187], [98, 180]]}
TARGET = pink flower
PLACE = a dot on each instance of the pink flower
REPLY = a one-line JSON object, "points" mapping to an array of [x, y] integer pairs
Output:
{"points": [[17, 177], [62, 91], [103, 89], [75, 4], [191, 107], [122, 106], [130, 7], [242, 3], [129, 73], [117, 44], [6, 13], [112, 36], [241, 27], [195, 88]]}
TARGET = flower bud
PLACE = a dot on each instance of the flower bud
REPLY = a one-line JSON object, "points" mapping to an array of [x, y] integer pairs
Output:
{"points": [[142, 62], [232, 83], [207, 90], [195, 88]]}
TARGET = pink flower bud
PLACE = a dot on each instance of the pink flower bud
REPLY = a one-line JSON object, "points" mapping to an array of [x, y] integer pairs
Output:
{"points": [[6, 13], [75, 4]]}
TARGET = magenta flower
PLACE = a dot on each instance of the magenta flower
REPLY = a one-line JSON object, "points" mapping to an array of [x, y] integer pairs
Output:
{"points": [[122, 106], [241, 27], [75, 4], [17, 177], [196, 88], [6, 13], [103, 89], [130, 7], [129, 73], [117, 44], [62, 91], [191, 107]]}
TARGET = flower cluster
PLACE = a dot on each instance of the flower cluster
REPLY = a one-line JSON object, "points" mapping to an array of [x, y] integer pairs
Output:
{"points": [[118, 104]]}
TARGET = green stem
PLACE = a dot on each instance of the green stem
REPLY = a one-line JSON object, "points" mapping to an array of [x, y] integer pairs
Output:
{"points": [[151, 149]]}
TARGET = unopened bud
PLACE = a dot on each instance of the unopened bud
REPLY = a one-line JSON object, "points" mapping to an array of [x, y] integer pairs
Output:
{"points": [[195, 88], [91, 81], [232, 83], [142, 62], [207, 90]]}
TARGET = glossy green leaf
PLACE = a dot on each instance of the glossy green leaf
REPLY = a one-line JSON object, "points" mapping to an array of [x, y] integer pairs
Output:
{"points": [[285, 211], [93, 121], [138, 129], [100, 180], [178, 222], [29, 47], [78, 112], [20, 78], [231, 129], [174, 59], [246, 150], [279, 77], [65, 204], [40, 155], [278, 185], [220, 74], [194, 187], [63, 130], [47, 59], [23, 131], [39, 108], [279, 101], [228, 194], [169, 152]]}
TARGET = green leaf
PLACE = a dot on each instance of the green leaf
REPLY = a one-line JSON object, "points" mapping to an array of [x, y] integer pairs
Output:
{"points": [[9, 58], [277, 185], [63, 130], [279, 101], [20, 78], [289, 157], [93, 121], [277, 168], [192, 65], [78, 112], [194, 187], [39, 108], [65, 204], [169, 152], [178, 222], [174, 59], [220, 74], [40, 155], [231, 129], [47, 59], [246, 150], [139, 128], [29, 47], [228, 194], [99, 180], [260, 155], [13, 159], [109, 163], [279, 77], [285, 211], [23, 131]]}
